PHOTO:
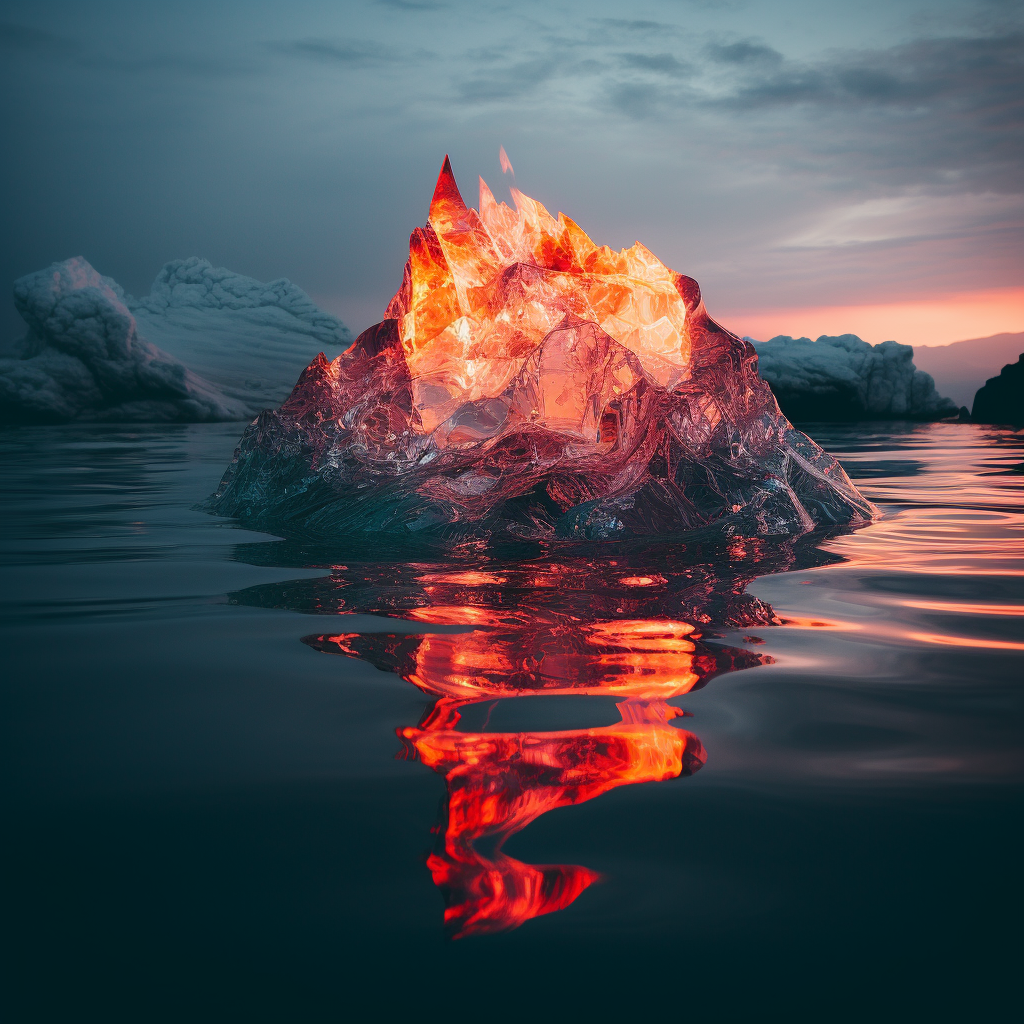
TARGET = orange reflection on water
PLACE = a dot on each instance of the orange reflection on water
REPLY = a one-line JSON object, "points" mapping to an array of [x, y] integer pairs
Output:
{"points": [[966, 641], [499, 782], [804, 622], [509, 654], [981, 542], [630, 628], [964, 607]]}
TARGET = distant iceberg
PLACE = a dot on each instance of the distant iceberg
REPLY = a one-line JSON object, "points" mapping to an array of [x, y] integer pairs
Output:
{"points": [[250, 339], [205, 345], [845, 379]]}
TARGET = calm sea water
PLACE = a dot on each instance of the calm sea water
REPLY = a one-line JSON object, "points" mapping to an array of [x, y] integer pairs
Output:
{"points": [[249, 778]]}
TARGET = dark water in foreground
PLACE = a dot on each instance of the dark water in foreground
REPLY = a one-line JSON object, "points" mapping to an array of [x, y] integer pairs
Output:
{"points": [[249, 779]]}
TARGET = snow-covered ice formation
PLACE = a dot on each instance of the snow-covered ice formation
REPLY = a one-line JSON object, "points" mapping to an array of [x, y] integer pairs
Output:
{"points": [[205, 345], [83, 359], [250, 339], [845, 379], [528, 384]]}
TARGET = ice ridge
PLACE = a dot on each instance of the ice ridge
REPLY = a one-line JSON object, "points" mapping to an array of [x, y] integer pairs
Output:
{"points": [[526, 384]]}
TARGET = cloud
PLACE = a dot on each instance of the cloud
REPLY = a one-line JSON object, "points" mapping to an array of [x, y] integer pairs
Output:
{"points": [[948, 113], [912, 218], [349, 53], [944, 113], [637, 100], [637, 25], [744, 52], [981, 72], [509, 82], [657, 63]]}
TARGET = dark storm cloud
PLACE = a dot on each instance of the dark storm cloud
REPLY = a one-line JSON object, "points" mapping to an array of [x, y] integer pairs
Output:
{"points": [[780, 114], [639, 101], [980, 72], [948, 112], [744, 52], [511, 81]]}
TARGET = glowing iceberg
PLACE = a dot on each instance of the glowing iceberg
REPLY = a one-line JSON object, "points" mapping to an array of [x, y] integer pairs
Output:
{"points": [[527, 383]]}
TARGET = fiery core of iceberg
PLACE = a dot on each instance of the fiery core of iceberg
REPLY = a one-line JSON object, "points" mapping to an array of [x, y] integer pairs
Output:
{"points": [[528, 384]]}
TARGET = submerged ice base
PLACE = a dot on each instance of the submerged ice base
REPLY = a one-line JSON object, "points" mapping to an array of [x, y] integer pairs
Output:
{"points": [[527, 384]]}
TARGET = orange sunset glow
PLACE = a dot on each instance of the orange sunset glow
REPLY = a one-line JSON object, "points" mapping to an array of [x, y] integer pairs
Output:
{"points": [[935, 321]]}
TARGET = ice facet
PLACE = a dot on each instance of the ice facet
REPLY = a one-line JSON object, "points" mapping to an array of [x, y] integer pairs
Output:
{"points": [[527, 384]]}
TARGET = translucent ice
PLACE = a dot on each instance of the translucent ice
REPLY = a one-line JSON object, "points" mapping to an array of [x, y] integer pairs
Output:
{"points": [[526, 383]]}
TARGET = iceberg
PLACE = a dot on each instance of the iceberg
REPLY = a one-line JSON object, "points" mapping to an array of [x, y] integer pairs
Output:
{"points": [[252, 340], [83, 359], [527, 384], [205, 345], [844, 379]]}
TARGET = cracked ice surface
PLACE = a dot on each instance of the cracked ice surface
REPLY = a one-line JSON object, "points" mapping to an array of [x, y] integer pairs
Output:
{"points": [[528, 384]]}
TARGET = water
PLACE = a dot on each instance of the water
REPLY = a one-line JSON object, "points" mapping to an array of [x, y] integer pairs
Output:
{"points": [[249, 778]]}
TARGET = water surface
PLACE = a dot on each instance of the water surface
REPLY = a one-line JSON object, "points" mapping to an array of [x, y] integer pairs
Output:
{"points": [[250, 778]]}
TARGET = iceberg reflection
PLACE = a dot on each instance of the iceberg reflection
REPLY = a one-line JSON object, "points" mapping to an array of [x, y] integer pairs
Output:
{"points": [[639, 627], [499, 782]]}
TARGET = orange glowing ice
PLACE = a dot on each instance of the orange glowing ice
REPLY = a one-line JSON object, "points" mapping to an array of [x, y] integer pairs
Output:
{"points": [[483, 289]]}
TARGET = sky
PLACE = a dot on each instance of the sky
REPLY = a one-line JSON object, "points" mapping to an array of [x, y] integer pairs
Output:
{"points": [[820, 167]]}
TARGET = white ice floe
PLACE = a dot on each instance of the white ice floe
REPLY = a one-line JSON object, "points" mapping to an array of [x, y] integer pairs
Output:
{"points": [[250, 339], [205, 345], [844, 378]]}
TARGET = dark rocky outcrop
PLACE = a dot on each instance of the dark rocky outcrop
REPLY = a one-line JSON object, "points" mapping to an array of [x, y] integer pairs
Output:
{"points": [[1001, 400]]}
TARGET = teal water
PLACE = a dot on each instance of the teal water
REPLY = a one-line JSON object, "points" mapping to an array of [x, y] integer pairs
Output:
{"points": [[207, 820]]}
